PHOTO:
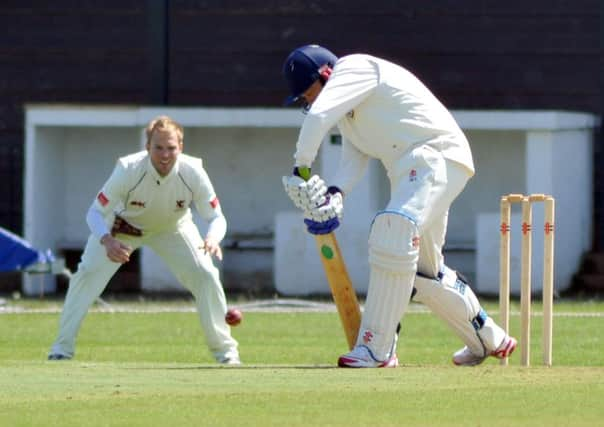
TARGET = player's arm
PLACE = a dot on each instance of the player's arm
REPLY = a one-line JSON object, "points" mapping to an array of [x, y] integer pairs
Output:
{"points": [[323, 205], [352, 81], [102, 207], [207, 204], [352, 167]]}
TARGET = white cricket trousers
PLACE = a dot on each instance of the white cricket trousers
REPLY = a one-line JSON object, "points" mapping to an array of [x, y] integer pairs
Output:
{"points": [[442, 181], [182, 251], [423, 186]]}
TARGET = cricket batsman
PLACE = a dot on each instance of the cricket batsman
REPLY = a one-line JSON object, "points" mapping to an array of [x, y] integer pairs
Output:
{"points": [[146, 202], [384, 112]]}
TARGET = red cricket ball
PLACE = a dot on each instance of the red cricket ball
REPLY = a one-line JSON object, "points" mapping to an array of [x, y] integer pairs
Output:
{"points": [[233, 317]]}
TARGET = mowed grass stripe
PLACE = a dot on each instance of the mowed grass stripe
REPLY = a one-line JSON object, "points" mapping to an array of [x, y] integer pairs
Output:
{"points": [[153, 369]]}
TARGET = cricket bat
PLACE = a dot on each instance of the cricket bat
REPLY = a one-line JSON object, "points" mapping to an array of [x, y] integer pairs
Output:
{"points": [[341, 287], [342, 290]]}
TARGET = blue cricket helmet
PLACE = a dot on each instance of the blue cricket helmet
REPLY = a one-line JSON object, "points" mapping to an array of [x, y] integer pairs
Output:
{"points": [[301, 68]]}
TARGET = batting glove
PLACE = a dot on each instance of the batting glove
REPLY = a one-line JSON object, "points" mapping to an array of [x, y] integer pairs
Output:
{"points": [[330, 209], [306, 195]]}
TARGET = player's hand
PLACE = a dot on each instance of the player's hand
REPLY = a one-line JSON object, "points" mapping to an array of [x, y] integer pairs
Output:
{"points": [[116, 250], [326, 218], [306, 195], [212, 246], [332, 208]]}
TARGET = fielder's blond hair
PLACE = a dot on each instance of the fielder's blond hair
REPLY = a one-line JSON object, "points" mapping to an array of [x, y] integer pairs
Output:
{"points": [[164, 124]]}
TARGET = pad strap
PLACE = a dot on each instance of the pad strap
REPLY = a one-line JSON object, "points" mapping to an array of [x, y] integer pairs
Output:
{"points": [[479, 320]]}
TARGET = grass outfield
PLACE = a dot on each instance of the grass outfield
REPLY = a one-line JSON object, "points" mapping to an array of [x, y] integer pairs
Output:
{"points": [[152, 369]]}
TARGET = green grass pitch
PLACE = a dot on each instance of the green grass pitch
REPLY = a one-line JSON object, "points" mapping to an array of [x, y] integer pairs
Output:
{"points": [[153, 369]]}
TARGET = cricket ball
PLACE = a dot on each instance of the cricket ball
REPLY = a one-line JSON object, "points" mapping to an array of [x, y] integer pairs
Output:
{"points": [[233, 316]]}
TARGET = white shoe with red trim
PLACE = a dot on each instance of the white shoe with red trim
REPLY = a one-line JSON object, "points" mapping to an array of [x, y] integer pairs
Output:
{"points": [[465, 357], [361, 357]]}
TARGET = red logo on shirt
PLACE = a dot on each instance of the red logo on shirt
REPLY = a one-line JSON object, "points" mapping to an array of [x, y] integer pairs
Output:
{"points": [[214, 202], [103, 200], [413, 175]]}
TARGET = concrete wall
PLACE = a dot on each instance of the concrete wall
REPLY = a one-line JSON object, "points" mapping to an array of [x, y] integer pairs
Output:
{"points": [[71, 150], [515, 152]]}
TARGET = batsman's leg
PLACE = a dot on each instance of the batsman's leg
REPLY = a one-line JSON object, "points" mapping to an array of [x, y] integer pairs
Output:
{"points": [[449, 297], [393, 259], [85, 286]]}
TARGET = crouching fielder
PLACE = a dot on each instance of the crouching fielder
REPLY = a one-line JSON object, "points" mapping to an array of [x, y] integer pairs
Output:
{"points": [[384, 112], [146, 202]]}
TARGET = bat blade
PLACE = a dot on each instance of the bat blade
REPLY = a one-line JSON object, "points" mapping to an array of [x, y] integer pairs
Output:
{"points": [[341, 286]]}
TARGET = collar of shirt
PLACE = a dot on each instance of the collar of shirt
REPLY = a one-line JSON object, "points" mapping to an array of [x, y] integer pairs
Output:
{"points": [[157, 177]]}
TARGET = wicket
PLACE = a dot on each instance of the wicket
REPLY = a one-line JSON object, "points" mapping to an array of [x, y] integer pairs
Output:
{"points": [[525, 272]]}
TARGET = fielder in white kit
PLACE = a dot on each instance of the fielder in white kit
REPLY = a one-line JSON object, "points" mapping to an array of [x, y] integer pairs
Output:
{"points": [[146, 202], [384, 112]]}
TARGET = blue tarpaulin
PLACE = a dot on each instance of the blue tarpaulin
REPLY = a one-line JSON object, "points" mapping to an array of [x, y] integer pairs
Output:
{"points": [[17, 254]]}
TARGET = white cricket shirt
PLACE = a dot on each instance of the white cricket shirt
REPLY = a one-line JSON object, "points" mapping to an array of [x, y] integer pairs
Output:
{"points": [[150, 202], [382, 111]]}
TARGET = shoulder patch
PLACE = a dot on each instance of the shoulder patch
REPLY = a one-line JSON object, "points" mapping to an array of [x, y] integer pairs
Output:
{"points": [[214, 202], [103, 200]]}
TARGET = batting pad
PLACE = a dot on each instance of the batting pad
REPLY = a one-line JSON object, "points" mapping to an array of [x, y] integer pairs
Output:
{"points": [[393, 261], [393, 242], [452, 300]]}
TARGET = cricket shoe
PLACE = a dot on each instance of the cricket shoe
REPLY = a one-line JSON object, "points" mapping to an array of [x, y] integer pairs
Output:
{"points": [[361, 357], [229, 360], [465, 357], [57, 356]]}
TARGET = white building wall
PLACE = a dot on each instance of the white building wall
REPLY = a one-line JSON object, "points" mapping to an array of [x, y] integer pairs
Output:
{"points": [[558, 162], [71, 150]]}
